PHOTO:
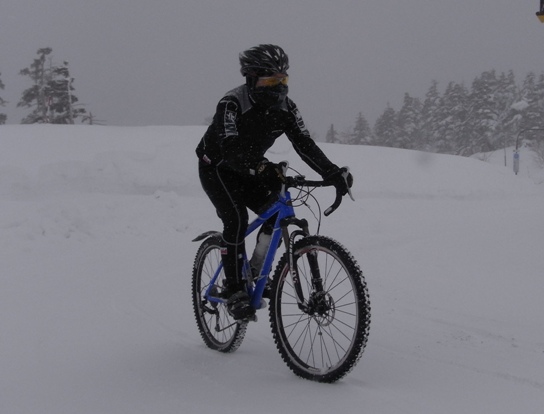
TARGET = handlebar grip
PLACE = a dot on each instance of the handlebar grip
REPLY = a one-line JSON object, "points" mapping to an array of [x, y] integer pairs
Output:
{"points": [[340, 194], [334, 205]]}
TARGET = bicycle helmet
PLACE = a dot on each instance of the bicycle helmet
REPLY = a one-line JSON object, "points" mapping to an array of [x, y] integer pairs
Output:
{"points": [[263, 60]]}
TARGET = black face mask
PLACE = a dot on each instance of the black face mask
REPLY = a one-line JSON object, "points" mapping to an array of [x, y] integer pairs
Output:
{"points": [[270, 96]]}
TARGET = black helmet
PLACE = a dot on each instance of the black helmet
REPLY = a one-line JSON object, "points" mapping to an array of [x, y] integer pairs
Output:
{"points": [[263, 60]]}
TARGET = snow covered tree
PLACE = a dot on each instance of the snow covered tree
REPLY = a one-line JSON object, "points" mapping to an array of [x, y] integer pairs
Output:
{"points": [[332, 135], [3, 117], [409, 123], [451, 119], [429, 119], [507, 117], [539, 92], [532, 116], [51, 95], [61, 97], [386, 129], [362, 134], [36, 95], [482, 116]]}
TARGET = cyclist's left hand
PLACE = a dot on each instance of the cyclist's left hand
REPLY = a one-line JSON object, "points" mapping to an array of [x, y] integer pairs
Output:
{"points": [[341, 179]]}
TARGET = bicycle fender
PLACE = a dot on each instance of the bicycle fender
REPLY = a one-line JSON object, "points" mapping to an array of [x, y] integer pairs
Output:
{"points": [[207, 234]]}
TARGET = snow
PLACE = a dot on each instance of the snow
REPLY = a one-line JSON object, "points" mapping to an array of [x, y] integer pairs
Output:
{"points": [[520, 105], [96, 256]]}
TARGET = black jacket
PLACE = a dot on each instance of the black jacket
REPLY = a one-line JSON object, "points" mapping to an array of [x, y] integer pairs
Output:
{"points": [[241, 133]]}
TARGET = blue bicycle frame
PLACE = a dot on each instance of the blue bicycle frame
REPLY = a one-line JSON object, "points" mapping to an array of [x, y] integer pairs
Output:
{"points": [[284, 209]]}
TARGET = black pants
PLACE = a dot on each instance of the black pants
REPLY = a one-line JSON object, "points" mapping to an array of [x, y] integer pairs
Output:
{"points": [[232, 194]]}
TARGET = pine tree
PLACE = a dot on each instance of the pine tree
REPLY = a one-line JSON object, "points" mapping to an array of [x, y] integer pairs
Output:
{"points": [[362, 134], [482, 116], [409, 123], [507, 117], [537, 144], [62, 99], [332, 135], [539, 91], [531, 114], [36, 95], [3, 117], [451, 119], [429, 119], [52, 93], [385, 128], [535, 113]]}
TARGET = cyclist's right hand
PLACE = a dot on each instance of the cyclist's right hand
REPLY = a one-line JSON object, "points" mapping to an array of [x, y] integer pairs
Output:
{"points": [[271, 174]]}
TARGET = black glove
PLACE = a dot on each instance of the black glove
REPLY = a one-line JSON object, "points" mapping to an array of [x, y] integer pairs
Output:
{"points": [[271, 175], [341, 179]]}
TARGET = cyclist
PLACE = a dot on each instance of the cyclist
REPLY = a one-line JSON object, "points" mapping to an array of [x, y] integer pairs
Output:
{"points": [[232, 168]]}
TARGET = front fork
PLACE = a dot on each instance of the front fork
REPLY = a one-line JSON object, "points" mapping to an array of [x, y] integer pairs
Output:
{"points": [[289, 240]]}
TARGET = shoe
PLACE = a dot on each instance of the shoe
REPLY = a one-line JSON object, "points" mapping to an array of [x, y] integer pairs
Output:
{"points": [[239, 307], [228, 289]]}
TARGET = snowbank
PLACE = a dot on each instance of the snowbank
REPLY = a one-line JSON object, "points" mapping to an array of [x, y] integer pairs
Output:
{"points": [[95, 311]]}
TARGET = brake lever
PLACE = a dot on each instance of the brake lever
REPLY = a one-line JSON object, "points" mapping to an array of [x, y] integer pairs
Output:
{"points": [[345, 174]]}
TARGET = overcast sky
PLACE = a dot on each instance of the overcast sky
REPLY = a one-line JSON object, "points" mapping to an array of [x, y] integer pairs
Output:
{"points": [[168, 62]]}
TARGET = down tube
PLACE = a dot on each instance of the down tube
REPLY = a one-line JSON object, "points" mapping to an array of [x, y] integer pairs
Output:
{"points": [[283, 209]]}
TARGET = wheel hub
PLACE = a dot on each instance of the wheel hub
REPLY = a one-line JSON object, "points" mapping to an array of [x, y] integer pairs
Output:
{"points": [[322, 308]]}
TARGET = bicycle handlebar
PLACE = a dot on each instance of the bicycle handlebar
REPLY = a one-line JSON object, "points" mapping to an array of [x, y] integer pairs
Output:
{"points": [[300, 181]]}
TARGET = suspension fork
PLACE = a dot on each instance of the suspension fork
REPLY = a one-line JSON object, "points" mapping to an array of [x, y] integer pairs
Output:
{"points": [[289, 240]]}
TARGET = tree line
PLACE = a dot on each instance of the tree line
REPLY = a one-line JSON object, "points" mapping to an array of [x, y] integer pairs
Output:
{"points": [[51, 97], [462, 121]]}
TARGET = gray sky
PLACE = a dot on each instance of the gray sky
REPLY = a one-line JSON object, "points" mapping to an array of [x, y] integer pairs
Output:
{"points": [[143, 62]]}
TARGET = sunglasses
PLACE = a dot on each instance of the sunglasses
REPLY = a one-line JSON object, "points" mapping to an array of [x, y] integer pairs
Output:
{"points": [[272, 80]]}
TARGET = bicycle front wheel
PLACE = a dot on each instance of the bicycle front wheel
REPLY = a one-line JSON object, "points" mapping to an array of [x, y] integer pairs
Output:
{"points": [[217, 328], [323, 337]]}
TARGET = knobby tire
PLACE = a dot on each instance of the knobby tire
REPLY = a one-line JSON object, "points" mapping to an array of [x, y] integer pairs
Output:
{"points": [[324, 339], [217, 328]]}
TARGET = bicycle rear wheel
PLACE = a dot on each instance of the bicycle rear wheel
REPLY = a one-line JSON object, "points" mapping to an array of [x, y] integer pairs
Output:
{"points": [[217, 328], [323, 338]]}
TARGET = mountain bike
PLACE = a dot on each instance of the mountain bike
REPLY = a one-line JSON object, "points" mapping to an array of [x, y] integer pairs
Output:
{"points": [[319, 304]]}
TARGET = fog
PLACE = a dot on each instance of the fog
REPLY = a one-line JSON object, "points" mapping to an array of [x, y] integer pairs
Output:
{"points": [[168, 62]]}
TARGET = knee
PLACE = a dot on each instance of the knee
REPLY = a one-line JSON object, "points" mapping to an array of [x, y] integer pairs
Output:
{"points": [[234, 231]]}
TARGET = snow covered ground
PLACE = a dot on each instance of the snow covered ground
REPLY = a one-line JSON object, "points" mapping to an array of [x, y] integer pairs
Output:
{"points": [[95, 257]]}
